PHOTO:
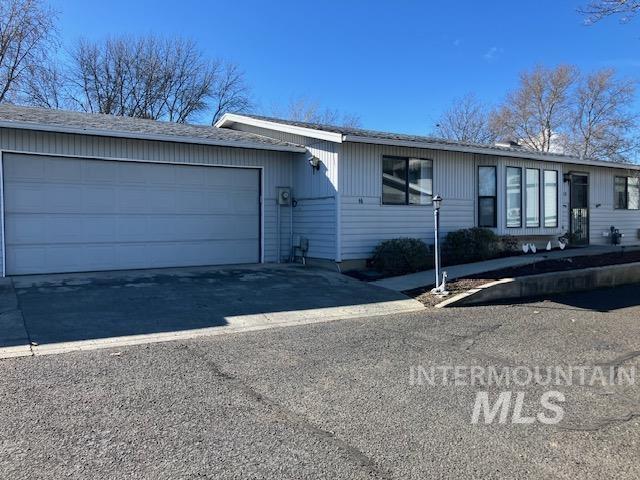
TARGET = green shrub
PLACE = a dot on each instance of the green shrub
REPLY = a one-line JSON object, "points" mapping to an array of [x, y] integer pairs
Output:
{"points": [[471, 245], [402, 255]]}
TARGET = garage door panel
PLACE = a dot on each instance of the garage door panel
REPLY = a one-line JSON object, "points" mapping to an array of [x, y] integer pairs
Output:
{"points": [[99, 172], [23, 198], [63, 171], [100, 199], [194, 201], [77, 215], [160, 175], [187, 176], [27, 171], [132, 173]]}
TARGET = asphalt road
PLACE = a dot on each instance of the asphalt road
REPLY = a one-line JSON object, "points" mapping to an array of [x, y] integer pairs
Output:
{"points": [[332, 400]]}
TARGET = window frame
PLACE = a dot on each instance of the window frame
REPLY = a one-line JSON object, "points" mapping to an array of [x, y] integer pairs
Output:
{"points": [[544, 208], [629, 196], [406, 181], [626, 193], [494, 197], [526, 201], [506, 197]]}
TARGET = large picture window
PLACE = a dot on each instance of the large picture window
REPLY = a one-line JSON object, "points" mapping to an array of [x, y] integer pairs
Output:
{"points": [[627, 193], [532, 195], [487, 191], [550, 199], [514, 197], [407, 181]]}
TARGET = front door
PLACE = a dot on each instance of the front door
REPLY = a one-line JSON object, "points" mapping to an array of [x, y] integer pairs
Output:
{"points": [[579, 209]]}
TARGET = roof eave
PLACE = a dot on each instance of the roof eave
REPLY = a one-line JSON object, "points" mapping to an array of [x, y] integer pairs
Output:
{"points": [[488, 151], [147, 136], [228, 119]]}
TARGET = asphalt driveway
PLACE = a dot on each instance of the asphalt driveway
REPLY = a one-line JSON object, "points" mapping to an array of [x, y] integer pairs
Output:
{"points": [[331, 400], [49, 310]]}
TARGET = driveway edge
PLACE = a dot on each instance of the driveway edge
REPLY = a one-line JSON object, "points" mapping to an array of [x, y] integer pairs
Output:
{"points": [[239, 324]]}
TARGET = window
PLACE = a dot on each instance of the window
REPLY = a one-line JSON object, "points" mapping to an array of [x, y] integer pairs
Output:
{"points": [[407, 181], [532, 196], [487, 205], [550, 199], [627, 193], [633, 193], [514, 197], [620, 191]]}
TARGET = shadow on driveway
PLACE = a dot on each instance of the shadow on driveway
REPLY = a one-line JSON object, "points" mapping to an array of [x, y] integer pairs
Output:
{"points": [[64, 308]]}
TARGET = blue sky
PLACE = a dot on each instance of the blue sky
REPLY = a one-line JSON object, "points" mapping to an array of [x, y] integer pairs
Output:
{"points": [[396, 65]]}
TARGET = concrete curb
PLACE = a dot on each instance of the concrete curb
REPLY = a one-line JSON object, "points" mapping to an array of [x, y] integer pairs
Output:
{"points": [[239, 324], [548, 284]]}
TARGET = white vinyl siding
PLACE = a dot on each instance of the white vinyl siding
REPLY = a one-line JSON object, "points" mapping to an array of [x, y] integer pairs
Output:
{"points": [[315, 215], [366, 221], [602, 214]]}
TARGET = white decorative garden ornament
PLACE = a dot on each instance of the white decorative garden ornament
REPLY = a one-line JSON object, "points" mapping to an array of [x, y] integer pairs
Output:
{"points": [[533, 248], [549, 246], [525, 247]]}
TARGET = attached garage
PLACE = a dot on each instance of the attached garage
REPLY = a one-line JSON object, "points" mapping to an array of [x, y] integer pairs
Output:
{"points": [[69, 215], [85, 192]]}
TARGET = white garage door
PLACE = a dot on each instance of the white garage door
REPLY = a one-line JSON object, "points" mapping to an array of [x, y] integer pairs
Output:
{"points": [[71, 215]]}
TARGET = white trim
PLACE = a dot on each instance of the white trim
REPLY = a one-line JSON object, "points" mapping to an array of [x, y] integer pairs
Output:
{"points": [[4, 243], [260, 168], [148, 136], [522, 154], [229, 118], [261, 200]]}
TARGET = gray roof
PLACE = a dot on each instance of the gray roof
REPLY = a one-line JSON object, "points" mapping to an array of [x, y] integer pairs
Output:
{"points": [[372, 136], [32, 118], [376, 134]]}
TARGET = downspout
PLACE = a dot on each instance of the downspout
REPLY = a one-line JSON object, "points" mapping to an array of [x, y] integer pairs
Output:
{"points": [[338, 205]]}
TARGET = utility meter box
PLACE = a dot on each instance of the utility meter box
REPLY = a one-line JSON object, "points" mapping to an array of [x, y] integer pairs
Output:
{"points": [[283, 195]]}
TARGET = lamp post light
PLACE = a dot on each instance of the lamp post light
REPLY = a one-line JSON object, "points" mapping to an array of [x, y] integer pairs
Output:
{"points": [[440, 287]]}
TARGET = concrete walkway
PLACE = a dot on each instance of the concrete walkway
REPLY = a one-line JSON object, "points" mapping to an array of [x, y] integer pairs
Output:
{"points": [[425, 279]]}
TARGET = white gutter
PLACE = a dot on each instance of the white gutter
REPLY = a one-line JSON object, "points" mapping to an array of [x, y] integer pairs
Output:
{"points": [[489, 151], [230, 118], [149, 136]]}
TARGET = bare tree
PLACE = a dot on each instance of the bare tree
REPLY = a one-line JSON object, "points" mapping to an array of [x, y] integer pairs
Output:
{"points": [[599, 9], [26, 32], [148, 77], [44, 86], [230, 93], [466, 120], [538, 110], [305, 110], [602, 124]]}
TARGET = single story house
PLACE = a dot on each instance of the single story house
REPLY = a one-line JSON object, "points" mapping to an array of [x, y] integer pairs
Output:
{"points": [[87, 192]]}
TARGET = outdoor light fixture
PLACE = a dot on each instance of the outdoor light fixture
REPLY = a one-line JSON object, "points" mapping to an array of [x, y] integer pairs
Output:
{"points": [[313, 161], [440, 288]]}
